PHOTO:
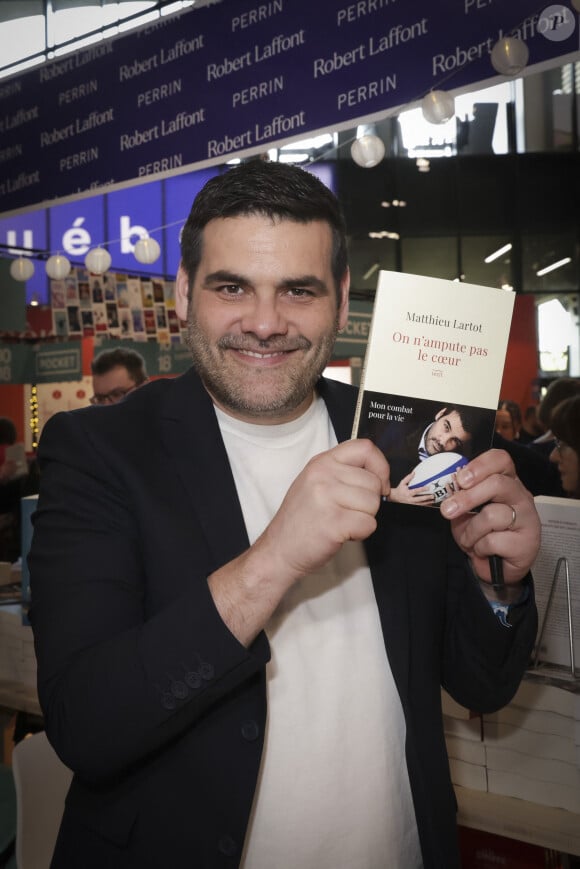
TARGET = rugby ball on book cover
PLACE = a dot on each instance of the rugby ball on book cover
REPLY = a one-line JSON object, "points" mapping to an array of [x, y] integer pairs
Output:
{"points": [[436, 472]]}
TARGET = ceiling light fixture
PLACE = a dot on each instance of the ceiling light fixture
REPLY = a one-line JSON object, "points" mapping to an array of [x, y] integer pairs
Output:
{"points": [[554, 266], [147, 250], [21, 269], [438, 107], [57, 267], [367, 151], [384, 234], [98, 260], [509, 56], [497, 253]]}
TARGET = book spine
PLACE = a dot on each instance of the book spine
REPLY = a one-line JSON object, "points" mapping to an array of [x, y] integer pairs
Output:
{"points": [[361, 390]]}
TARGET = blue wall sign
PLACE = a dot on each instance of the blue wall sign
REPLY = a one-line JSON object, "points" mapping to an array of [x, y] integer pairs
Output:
{"points": [[232, 77]]}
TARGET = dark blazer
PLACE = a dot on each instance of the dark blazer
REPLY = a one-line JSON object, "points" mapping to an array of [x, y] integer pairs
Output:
{"points": [[146, 694]]}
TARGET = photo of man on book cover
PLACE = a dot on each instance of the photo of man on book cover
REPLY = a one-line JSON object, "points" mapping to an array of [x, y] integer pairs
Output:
{"points": [[425, 442]]}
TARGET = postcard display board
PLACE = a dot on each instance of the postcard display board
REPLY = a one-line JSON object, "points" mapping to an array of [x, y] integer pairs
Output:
{"points": [[114, 305]]}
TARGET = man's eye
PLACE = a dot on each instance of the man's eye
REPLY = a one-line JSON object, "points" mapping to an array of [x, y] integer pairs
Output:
{"points": [[230, 289], [299, 292]]}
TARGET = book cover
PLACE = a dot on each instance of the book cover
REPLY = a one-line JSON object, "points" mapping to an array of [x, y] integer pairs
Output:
{"points": [[431, 379], [558, 558]]}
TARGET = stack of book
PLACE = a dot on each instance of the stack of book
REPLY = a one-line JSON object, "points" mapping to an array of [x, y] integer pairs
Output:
{"points": [[529, 750], [465, 746]]}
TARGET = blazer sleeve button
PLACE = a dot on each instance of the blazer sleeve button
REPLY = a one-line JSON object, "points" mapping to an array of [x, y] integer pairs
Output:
{"points": [[193, 679], [206, 671], [227, 846], [168, 701], [179, 689], [250, 730]]}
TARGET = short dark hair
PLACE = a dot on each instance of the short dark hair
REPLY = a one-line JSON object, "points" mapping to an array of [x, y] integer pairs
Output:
{"points": [[275, 190], [514, 410], [471, 422], [557, 391], [565, 425], [129, 359], [468, 416]]}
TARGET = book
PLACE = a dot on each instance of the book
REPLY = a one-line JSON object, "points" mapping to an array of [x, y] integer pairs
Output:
{"points": [[560, 518], [431, 379]]}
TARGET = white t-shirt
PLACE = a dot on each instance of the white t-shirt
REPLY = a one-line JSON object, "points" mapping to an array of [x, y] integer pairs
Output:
{"points": [[333, 790]]}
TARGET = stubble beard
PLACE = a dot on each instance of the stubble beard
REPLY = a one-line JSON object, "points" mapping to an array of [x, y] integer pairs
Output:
{"points": [[262, 392], [433, 447]]}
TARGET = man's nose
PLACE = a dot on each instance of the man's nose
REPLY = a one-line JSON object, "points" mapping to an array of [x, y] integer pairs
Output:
{"points": [[264, 318]]}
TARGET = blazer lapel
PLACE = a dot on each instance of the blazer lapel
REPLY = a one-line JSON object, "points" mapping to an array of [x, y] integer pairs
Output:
{"points": [[192, 437]]}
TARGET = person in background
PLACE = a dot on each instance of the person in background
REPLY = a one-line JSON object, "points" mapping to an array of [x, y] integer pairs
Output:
{"points": [[8, 468], [240, 642], [531, 427], [116, 373], [565, 425], [532, 466], [16, 481], [508, 420], [557, 391]]}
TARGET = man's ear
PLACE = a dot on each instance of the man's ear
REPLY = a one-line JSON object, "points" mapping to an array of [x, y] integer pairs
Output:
{"points": [[343, 300], [181, 293]]}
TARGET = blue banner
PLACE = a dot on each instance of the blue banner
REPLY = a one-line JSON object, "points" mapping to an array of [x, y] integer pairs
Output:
{"points": [[235, 78]]}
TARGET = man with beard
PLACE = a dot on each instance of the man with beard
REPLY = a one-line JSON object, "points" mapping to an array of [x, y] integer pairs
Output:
{"points": [[116, 373], [240, 643]]}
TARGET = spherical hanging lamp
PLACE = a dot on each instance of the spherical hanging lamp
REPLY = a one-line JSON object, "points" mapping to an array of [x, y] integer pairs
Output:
{"points": [[21, 269], [438, 107], [147, 250], [57, 267], [509, 56], [98, 260], [368, 151]]}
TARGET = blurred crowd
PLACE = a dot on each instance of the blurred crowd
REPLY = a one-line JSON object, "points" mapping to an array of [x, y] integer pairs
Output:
{"points": [[544, 441]]}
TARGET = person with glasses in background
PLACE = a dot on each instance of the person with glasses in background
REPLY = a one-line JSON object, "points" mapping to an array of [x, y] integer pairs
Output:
{"points": [[557, 391], [116, 373], [565, 423]]}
